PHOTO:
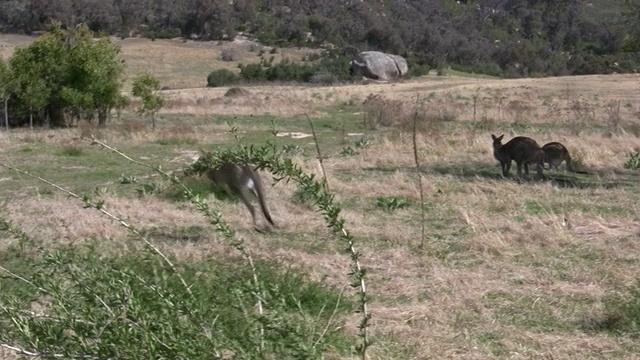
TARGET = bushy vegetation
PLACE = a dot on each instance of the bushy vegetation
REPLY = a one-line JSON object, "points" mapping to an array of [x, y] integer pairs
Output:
{"points": [[146, 87], [325, 69], [222, 77], [131, 305], [511, 38], [62, 74], [334, 66]]}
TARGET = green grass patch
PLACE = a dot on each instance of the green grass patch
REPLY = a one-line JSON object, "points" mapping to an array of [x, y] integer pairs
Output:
{"points": [[392, 203], [73, 151], [533, 207], [177, 141], [131, 305], [491, 341]]}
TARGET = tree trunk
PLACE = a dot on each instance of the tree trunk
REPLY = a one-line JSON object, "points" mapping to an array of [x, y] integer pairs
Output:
{"points": [[153, 121], [102, 117], [30, 118], [6, 112], [56, 115]]}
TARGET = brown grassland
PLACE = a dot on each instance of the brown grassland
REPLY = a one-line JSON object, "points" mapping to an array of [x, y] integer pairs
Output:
{"points": [[512, 270]]}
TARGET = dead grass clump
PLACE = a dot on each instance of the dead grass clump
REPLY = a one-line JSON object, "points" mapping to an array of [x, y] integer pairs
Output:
{"points": [[132, 127], [229, 54], [176, 104], [518, 109], [380, 111], [429, 118], [237, 92], [179, 133], [88, 129], [600, 321], [583, 114], [613, 117]]}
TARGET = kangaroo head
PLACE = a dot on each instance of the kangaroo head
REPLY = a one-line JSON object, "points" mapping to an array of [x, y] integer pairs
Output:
{"points": [[497, 141]]}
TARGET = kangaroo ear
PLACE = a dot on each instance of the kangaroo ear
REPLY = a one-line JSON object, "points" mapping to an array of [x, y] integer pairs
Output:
{"points": [[500, 137], [493, 137]]}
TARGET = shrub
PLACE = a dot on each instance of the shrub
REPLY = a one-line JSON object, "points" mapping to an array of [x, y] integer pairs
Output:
{"points": [[237, 92], [228, 54], [163, 33], [390, 204], [221, 77], [633, 161], [331, 68], [348, 151]]}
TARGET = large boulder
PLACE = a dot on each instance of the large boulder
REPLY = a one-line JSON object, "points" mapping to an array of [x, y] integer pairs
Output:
{"points": [[379, 66]]}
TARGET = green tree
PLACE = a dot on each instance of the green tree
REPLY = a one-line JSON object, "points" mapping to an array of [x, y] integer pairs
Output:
{"points": [[33, 94], [145, 87], [39, 70], [67, 70], [631, 18], [5, 90], [93, 74]]}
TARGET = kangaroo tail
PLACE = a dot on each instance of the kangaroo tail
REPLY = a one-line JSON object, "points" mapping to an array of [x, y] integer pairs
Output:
{"points": [[260, 194]]}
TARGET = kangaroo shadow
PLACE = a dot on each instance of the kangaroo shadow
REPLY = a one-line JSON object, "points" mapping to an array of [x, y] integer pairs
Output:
{"points": [[590, 178], [190, 234]]}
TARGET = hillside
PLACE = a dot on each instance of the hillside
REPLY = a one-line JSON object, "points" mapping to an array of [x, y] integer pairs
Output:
{"points": [[503, 38]]}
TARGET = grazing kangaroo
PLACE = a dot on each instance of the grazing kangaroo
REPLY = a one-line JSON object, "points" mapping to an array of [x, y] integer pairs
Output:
{"points": [[241, 178], [522, 150], [555, 153]]}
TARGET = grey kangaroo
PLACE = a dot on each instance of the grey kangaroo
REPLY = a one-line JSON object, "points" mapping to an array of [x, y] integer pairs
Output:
{"points": [[522, 150], [241, 178]]}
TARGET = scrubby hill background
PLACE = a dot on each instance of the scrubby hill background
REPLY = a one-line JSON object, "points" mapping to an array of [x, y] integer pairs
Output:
{"points": [[497, 37]]}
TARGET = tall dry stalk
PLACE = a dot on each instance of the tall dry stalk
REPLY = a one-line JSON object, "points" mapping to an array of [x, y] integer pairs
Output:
{"points": [[315, 140], [613, 116], [418, 171]]}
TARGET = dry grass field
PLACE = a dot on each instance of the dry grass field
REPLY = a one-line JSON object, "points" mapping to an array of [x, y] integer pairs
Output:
{"points": [[507, 269]]}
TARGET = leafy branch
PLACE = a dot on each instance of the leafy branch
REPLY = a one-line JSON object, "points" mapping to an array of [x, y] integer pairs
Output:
{"points": [[269, 157]]}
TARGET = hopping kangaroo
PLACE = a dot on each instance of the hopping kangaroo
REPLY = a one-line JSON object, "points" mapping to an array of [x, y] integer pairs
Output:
{"points": [[241, 178], [555, 153], [522, 150]]}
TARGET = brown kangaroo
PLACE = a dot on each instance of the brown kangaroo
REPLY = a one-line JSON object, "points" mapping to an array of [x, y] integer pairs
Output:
{"points": [[241, 178], [521, 149], [555, 153]]}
